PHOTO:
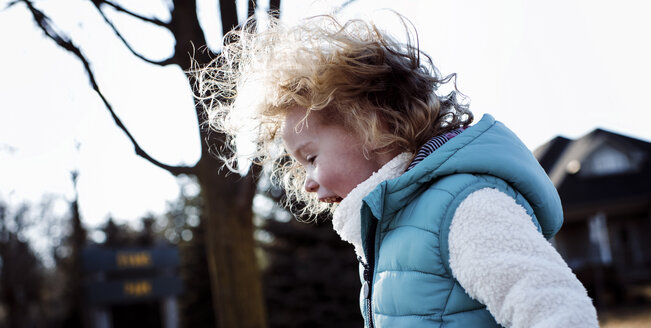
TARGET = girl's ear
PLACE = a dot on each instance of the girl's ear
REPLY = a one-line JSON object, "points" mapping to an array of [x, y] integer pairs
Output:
{"points": [[382, 136], [381, 147]]}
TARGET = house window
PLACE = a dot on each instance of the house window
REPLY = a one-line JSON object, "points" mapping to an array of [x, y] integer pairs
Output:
{"points": [[607, 160]]}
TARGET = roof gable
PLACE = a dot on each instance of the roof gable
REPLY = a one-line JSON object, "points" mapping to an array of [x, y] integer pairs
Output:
{"points": [[599, 167]]}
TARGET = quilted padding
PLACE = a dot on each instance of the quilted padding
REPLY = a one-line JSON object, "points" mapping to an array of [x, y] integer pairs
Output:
{"points": [[412, 283]]}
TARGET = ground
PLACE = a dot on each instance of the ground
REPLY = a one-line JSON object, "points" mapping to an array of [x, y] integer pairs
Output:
{"points": [[630, 317]]}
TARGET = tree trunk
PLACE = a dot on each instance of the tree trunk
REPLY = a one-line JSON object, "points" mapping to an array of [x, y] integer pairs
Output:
{"points": [[235, 276]]}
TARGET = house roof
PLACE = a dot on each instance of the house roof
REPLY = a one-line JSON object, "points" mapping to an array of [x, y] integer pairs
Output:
{"points": [[549, 153], [568, 162]]}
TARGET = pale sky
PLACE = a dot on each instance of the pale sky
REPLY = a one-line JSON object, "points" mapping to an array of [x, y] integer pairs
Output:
{"points": [[545, 68]]}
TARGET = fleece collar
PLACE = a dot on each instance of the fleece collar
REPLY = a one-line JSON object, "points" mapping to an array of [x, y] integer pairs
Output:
{"points": [[346, 220]]}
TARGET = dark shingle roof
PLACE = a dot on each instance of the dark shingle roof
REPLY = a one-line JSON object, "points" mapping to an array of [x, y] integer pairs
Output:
{"points": [[581, 190], [549, 153]]}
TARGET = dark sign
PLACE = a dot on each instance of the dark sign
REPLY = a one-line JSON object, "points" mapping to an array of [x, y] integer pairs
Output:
{"points": [[133, 290], [110, 259]]}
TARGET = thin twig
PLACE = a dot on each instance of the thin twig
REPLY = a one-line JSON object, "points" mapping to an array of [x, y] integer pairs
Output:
{"points": [[64, 42], [10, 4], [130, 13], [250, 10], [126, 44], [274, 8]]}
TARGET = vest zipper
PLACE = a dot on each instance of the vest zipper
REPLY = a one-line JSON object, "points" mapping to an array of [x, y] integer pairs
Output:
{"points": [[368, 271]]}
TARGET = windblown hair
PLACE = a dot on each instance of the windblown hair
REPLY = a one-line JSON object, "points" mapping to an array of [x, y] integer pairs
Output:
{"points": [[353, 74]]}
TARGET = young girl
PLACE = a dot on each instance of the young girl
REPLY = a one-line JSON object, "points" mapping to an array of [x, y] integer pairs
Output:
{"points": [[449, 220]]}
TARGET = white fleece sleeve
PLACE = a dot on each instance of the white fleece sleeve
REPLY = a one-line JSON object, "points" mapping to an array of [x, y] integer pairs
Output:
{"points": [[499, 258]]}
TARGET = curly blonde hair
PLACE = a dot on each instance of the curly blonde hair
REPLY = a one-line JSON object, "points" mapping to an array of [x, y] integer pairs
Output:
{"points": [[352, 73]]}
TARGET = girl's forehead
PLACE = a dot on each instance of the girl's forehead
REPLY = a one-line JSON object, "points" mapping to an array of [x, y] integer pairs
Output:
{"points": [[296, 119], [299, 131]]}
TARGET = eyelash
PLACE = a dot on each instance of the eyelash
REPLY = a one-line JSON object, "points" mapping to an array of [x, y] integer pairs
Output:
{"points": [[310, 159]]}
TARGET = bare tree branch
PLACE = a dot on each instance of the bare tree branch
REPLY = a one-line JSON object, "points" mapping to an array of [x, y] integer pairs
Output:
{"points": [[64, 42], [274, 8], [253, 4], [126, 44], [229, 15], [130, 13], [10, 4]]}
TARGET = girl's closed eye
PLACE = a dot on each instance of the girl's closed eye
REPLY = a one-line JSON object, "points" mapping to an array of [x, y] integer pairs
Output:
{"points": [[310, 159]]}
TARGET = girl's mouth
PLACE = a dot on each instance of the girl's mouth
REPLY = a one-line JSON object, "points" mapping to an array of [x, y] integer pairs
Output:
{"points": [[331, 199]]}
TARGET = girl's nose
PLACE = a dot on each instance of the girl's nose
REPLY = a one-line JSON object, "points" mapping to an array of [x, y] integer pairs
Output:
{"points": [[311, 185]]}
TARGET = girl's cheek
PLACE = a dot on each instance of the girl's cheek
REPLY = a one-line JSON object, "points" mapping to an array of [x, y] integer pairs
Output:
{"points": [[326, 178], [316, 175]]}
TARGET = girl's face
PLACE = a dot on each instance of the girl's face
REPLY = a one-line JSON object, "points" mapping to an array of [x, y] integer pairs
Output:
{"points": [[331, 155]]}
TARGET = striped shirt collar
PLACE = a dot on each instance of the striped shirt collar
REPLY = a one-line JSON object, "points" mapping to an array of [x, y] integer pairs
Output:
{"points": [[433, 144]]}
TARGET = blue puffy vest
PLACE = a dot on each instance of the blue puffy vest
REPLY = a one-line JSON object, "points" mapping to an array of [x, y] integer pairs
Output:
{"points": [[405, 223]]}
